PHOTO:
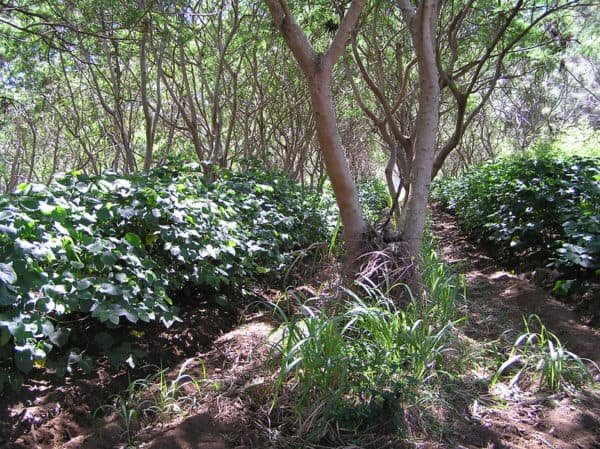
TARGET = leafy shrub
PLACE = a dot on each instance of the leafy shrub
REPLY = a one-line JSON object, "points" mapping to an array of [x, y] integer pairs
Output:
{"points": [[543, 208], [115, 249], [373, 197], [445, 191]]}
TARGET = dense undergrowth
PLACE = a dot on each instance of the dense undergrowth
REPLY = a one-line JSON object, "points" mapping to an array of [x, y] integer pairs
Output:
{"points": [[111, 251], [374, 198], [533, 209], [369, 372], [364, 367], [361, 370], [87, 257]]}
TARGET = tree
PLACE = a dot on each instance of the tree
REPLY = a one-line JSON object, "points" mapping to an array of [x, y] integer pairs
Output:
{"points": [[475, 44], [422, 23], [125, 83], [318, 69]]}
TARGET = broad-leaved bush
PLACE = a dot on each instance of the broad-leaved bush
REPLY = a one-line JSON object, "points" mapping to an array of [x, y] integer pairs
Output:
{"points": [[533, 208], [115, 250]]}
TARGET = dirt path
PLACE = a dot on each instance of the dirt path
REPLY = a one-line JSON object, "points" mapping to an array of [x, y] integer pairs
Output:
{"points": [[498, 300]]}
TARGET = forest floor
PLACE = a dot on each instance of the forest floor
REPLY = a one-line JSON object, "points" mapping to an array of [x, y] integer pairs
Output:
{"points": [[498, 300], [228, 405]]}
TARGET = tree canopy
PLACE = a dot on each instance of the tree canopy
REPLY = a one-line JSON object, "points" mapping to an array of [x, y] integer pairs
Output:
{"points": [[125, 85]]}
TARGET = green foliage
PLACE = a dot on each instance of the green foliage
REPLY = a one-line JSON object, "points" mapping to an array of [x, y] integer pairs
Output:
{"points": [[533, 207], [370, 358], [114, 250], [373, 197], [581, 140], [578, 140], [539, 352]]}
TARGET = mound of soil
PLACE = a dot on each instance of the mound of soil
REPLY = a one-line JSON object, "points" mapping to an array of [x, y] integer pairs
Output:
{"points": [[50, 413]]}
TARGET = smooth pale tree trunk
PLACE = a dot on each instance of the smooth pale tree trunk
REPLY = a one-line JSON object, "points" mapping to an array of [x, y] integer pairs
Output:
{"points": [[422, 23], [317, 69], [336, 163]]}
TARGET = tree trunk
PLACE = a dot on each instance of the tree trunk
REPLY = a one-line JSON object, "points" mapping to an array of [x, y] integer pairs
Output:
{"points": [[317, 69], [148, 156], [337, 166], [389, 173], [424, 40]]}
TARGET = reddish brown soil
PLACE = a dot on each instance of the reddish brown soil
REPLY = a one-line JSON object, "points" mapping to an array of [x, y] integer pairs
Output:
{"points": [[231, 414], [50, 413], [497, 300]]}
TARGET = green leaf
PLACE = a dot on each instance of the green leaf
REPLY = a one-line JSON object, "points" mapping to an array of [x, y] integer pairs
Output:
{"points": [[109, 289], [113, 318], [511, 361], [83, 284], [104, 341], [126, 212], [46, 209], [24, 360], [4, 336], [6, 296], [133, 239], [47, 328], [108, 259], [60, 337], [57, 289], [17, 330]]}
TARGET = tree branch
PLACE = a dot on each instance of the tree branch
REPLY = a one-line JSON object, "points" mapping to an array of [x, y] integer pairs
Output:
{"points": [[338, 44], [292, 33]]}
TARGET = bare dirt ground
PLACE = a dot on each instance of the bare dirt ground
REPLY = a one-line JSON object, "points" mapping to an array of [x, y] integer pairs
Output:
{"points": [[50, 413], [497, 300], [233, 409]]}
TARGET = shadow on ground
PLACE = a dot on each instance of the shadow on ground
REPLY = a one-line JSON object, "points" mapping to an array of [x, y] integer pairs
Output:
{"points": [[497, 301]]}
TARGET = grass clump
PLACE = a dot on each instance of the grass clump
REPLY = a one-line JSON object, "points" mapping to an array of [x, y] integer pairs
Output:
{"points": [[370, 364], [158, 397], [539, 354]]}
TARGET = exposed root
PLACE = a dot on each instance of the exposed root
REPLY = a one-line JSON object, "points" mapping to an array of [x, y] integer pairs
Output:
{"points": [[388, 269]]}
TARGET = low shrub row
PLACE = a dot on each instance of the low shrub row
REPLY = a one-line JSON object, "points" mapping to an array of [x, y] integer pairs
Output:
{"points": [[115, 250], [374, 198], [533, 208]]}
